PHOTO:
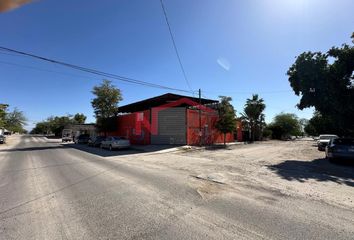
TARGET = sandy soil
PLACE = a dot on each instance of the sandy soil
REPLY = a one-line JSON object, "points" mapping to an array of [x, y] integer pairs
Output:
{"points": [[10, 141], [293, 168]]}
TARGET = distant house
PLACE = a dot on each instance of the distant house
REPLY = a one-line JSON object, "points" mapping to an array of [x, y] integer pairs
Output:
{"points": [[4, 131], [77, 129], [171, 119]]}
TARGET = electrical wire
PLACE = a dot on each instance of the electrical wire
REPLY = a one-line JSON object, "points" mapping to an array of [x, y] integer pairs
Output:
{"points": [[51, 71], [253, 92], [175, 46], [12, 52], [94, 71]]}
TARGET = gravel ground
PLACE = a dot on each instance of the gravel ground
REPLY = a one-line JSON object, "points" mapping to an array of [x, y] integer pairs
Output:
{"points": [[292, 168]]}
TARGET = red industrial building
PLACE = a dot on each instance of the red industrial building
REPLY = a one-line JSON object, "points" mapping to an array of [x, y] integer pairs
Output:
{"points": [[171, 119]]}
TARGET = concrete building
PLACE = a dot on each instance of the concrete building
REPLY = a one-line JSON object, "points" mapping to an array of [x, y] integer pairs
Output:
{"points": [[85, 128]]}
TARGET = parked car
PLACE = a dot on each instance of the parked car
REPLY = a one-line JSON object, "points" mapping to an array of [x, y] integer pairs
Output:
{"points": [[96, 141], [82, 139], [340, 148], [2, 139], [290, 138], [115, 143], [324, 140]]}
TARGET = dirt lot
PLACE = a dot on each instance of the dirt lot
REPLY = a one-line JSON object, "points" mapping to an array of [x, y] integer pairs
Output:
{"points": [[10, 141], [294, 168]]}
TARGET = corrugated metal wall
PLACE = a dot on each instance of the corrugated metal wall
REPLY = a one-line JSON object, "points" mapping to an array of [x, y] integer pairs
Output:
{"points": [[171, 126]]}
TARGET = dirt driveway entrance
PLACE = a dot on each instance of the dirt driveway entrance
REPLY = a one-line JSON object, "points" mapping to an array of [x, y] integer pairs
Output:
{"points": [[293, 168]]}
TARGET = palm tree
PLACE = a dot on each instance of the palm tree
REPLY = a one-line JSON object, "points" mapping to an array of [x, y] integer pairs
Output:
{"points": [[253, 117]]}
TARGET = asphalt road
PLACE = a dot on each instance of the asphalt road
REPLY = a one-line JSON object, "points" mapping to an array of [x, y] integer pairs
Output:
{"points": [[51, 191]]}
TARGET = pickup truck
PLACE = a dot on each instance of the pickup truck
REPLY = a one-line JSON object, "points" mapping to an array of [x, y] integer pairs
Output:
{"points": [[67, 135]]}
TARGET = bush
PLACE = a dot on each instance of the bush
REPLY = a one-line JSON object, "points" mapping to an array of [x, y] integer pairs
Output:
{"points": [[285, 125], [267, 133]]}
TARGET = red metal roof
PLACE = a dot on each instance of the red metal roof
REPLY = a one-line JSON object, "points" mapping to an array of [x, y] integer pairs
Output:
{"points": [[158, 101]]}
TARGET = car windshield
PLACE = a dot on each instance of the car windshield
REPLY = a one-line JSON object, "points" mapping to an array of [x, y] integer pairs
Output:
{"points": [[346, 142], [327, 137], [116, 138]]}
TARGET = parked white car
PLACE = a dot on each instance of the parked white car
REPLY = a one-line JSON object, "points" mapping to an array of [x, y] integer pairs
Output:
{"points": [[115, 143], [324, 140]]}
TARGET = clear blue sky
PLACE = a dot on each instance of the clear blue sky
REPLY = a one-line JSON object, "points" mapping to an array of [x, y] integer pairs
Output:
{"points": [[232, 48]]}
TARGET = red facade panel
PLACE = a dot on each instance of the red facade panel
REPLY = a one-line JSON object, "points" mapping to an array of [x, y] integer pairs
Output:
{"points": [[210, 134], [135, 127]]}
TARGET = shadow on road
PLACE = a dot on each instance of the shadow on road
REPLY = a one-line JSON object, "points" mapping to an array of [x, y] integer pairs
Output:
{"points": [[85, 148], [318, 169], [102, 152], [28, 149], [119, 152], [94, 150]]}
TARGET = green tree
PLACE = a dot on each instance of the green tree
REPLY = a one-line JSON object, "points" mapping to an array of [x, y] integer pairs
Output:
{"points": [[285, 125], [319, 124], [58, 123], [105, 104], [41, 128], [3, 108], [325, 81], [226, 122], [53, 124], [253, 116], [80, 118], [267, 133], [15, 121]]}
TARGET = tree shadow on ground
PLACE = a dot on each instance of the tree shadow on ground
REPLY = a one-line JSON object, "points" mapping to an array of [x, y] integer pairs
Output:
{"points": [[102, 152], [94, 150], [318, 169], [120, 152], [85, 148], [28, 149]]}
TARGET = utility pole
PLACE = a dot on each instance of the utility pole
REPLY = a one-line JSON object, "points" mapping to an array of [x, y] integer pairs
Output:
{"points": [[200, 117]]}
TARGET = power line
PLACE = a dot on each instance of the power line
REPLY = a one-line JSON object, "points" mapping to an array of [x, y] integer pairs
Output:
{"points": [[50, 71], [83, 76], [8, 51], [253, 92], [41, 69], [9, 54], [94, 71], [174, 45]]}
